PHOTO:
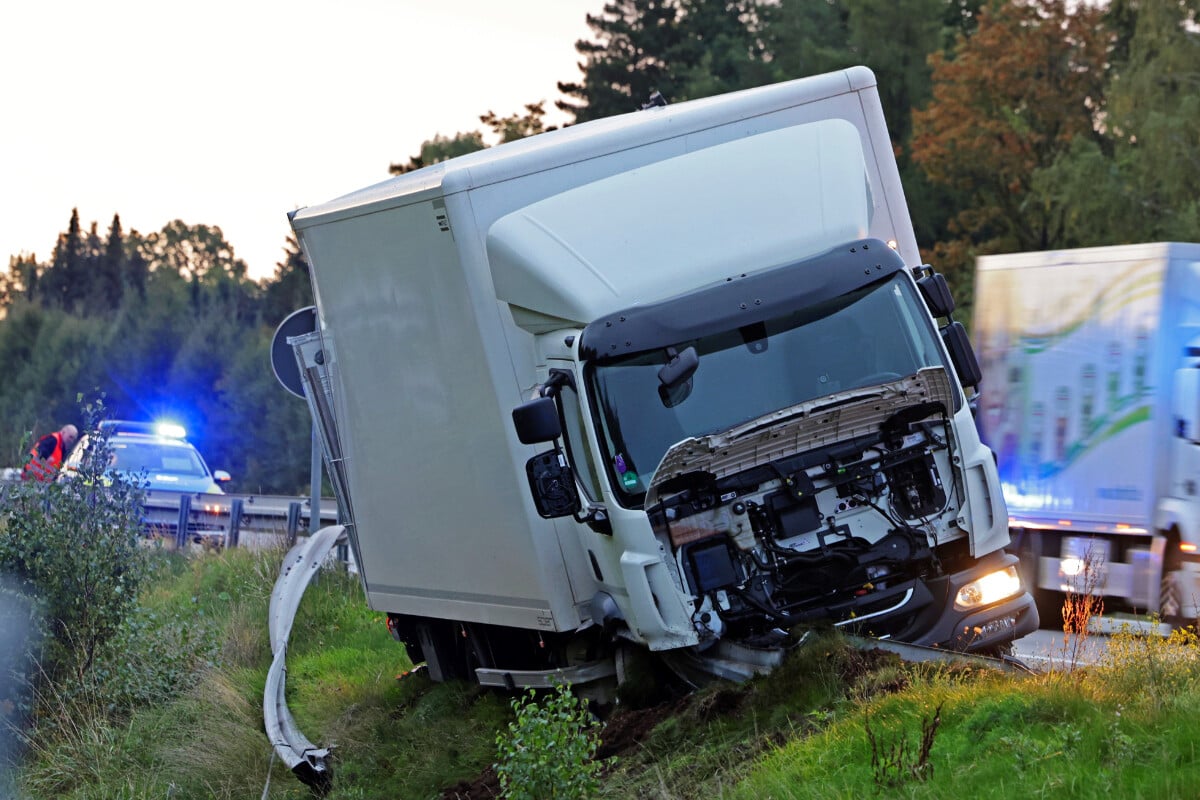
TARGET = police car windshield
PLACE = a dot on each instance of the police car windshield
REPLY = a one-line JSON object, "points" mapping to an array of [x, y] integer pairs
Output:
{"points": [[152, 457]]}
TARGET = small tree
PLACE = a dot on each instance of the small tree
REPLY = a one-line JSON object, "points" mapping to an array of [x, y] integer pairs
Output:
{"points": [[72, 547], [548, 751]]}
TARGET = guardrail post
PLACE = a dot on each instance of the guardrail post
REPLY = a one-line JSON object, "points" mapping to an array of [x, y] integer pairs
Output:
{"points": [[185, 514], [235, 522], [293, 522]]}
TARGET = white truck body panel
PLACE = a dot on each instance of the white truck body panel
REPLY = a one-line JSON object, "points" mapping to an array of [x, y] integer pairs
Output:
{"points": [[405, 270], [1079, 348], [1080, 351]]}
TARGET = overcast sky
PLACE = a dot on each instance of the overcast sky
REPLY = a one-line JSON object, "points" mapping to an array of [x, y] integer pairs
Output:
{"points": [[234, 112]]}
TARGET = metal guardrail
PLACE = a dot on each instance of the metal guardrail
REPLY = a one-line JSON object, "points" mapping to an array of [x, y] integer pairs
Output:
{"points": [[223, 519], [227, 519]]}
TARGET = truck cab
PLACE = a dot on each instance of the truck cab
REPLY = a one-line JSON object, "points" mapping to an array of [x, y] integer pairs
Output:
{"points": [[777, 449]]}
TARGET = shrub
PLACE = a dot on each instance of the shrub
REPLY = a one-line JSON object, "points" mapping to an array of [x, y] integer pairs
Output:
{"points": [[72, 547], [549, 750]]}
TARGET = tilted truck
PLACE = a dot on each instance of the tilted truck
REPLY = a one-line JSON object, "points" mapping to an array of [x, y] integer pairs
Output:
{"points": [[667, 381], [1089, 398]]}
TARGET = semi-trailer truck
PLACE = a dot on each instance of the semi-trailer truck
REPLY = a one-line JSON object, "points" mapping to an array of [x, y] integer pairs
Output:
{"points": [[1089, 399], [674, 381]]}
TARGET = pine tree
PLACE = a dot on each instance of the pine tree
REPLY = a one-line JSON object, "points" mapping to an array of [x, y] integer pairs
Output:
{"points": [[290, 289], [628, 61], [85, 297], [56, 288], [137, 269], [23, 273], [722, 49], [807, 37], [109, 277]]}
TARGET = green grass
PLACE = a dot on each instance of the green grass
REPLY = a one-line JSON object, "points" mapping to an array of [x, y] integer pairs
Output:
{"points": [[1125, 729], [1083, 735]]}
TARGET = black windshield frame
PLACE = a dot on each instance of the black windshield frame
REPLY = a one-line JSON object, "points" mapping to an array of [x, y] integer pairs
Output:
{"points": [[874, 334]]}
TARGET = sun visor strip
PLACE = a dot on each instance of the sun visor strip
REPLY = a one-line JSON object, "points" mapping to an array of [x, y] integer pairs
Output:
{"points": [[739, 301]]}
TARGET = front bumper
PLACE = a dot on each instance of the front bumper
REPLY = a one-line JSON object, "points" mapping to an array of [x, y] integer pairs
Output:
{"points": [[942, 625]]}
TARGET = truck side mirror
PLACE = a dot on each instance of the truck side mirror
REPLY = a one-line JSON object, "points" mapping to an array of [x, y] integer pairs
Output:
{"points": [[937, 295], [966, 365], [537, 421], [552, 484]]}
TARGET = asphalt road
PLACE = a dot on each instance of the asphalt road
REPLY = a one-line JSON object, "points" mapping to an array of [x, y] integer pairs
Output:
{"points": [[1046, 650]]}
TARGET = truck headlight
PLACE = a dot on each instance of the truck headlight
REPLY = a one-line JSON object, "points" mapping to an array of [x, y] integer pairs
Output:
{"points": [[991, 588]]}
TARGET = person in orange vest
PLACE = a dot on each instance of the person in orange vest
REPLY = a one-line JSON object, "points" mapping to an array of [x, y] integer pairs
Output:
{"points": [[46, 456]]}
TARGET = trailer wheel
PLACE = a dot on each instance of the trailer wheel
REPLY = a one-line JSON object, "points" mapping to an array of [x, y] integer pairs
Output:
{"points": [[1170, 605], [1170, 596]]}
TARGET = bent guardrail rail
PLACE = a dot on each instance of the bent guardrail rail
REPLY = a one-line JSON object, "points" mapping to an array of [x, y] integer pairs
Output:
{"points": [[305, 759]]}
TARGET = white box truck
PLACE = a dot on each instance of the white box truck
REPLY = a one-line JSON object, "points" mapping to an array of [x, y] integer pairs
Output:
{"points": [[668, 380], [1089, 398]]}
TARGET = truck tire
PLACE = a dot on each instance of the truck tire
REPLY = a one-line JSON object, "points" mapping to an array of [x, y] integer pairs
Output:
{"points": [[1028, 548], [1170, 594], [1170, 600], [1050, 608]]}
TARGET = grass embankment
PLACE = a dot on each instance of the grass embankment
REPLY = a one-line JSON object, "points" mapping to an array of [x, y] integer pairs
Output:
{"points": [[198, 733], [832, 722]]}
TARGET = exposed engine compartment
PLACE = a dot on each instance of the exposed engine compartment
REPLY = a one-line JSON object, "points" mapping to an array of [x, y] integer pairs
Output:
{"points": [[845, 531]]}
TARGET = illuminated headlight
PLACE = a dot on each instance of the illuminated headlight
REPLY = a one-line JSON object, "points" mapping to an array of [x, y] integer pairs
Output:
{"points": [[991, 588], [1072, 567]]}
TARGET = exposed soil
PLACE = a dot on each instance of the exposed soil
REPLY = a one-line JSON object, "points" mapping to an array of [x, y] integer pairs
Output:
{"points": [[626, 728], [485, 787]]}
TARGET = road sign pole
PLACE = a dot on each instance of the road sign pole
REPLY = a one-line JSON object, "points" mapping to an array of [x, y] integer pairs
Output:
{"points": [[314, 516]]}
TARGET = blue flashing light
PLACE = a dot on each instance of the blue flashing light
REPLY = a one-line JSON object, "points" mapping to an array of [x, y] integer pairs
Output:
{"points": [[170, 429]]}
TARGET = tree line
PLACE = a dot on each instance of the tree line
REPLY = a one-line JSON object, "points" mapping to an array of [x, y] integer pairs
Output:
{"points": [[162, 325], [1018, 125]]}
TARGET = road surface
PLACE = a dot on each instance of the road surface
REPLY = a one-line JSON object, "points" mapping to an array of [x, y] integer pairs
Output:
{"points": [[1046, 650]]}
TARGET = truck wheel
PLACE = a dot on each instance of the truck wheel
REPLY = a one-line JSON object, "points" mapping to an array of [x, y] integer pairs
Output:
{"points": [[1170, 605], [1050, 608], [639, 676]]}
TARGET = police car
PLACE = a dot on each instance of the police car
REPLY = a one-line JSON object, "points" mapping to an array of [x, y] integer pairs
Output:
{"points": [[155, 455]]}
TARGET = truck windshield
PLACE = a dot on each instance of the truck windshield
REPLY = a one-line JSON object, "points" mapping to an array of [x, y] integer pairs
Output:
{"points": [[874, 335]]}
